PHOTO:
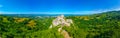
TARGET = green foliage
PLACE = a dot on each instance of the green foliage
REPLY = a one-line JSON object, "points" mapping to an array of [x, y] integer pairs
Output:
{"points": [[104, 25]]}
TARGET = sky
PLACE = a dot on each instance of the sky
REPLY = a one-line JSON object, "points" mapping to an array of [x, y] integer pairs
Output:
{"points": [[57, 6]]}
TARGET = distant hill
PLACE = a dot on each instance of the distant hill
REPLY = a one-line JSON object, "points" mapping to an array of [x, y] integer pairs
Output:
{"points": [[108, 15]]}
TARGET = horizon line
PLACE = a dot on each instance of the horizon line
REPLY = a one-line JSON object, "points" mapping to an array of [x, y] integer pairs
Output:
{"points": [[79, 12]]}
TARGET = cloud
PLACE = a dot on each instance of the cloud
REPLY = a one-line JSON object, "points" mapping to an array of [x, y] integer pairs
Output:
{"points": [[96, 11], [1, 12]]}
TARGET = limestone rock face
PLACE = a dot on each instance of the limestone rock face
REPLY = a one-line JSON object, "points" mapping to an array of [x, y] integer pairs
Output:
{"points": [[60, 20]]}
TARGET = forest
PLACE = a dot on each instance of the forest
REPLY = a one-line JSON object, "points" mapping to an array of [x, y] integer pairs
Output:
{"points": [[102, 25]]}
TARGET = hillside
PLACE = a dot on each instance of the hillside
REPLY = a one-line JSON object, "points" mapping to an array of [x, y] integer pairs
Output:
{"points": [[103, 25]]}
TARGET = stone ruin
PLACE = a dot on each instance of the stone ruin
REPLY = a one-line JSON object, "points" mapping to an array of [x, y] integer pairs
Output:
{"points": [[60, 20]]}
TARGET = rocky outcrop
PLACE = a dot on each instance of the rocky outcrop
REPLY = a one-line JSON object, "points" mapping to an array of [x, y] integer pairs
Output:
{"points": [[61, 21]]}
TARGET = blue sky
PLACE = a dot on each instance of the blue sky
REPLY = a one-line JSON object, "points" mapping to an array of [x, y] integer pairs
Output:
{"points": [[57, 6]]}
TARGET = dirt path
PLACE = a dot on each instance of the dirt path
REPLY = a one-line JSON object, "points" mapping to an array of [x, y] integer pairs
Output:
{"points": [[65, 34]]}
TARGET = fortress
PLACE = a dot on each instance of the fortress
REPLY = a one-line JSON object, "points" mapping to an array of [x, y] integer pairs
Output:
{"points": [[60, 20]]}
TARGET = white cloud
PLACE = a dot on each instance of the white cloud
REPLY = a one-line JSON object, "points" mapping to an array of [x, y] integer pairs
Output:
{"points": [[96, 11], [117, 8]]}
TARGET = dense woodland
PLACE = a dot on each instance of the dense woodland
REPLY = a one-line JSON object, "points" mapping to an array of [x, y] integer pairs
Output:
{"points": [[102, 25]]}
